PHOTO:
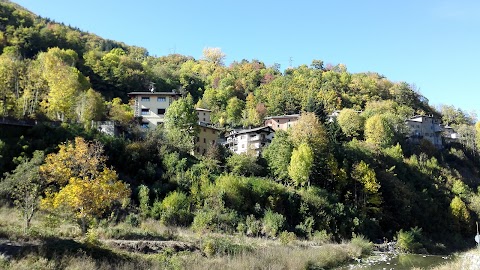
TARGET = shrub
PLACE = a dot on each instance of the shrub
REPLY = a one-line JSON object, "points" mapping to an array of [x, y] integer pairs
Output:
{"points": [[272, 223], [321, 237], [253, 225], [409, 241], [175, 209], [287, 237], [364, 244]]}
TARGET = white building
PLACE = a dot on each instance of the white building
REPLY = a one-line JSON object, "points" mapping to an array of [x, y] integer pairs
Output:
{"points": [[151, 106], [247, 140]]}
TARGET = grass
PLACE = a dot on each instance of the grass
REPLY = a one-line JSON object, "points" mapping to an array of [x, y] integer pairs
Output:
{"points": [[58, 244]]}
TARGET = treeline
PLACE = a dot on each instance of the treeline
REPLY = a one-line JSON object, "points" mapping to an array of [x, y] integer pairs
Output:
{"points": [[323, 179]]}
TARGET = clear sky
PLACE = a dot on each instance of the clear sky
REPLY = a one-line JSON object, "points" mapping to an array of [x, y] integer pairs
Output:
{"points": [[432, 44]]}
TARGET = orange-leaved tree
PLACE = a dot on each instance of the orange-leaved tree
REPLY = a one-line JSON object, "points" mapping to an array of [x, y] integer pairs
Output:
{"points": [[80, 182]]}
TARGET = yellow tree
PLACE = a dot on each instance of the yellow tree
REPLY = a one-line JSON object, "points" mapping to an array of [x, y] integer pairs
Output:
{"points": [[301, 164], [80, 182]]}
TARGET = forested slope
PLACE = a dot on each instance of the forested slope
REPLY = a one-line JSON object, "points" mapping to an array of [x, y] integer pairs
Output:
{"points": [[358, 174]]}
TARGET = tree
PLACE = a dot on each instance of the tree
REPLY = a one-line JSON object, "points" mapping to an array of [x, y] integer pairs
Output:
{"points": [[301, 164], [278, 155], [309, 130], [477, 134], [65, 83], [119, 112], [80, 182], [90, 106], [351, 122], [366, 176], [25, 186], [244, 164], [234, 111], [379, 131], [214, 55], [181, 123]]}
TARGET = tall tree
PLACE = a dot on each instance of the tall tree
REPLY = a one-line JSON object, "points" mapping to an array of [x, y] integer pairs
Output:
{"points": [[181, 123], [301, 164], [278, 155], [351, 122], [379, 131]]}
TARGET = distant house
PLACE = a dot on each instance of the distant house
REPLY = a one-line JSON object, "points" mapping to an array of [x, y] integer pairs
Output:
{"points": [[151, 106], [203, 115], [246, 140], [207, 137], [106, 127], [281, 122], [333, 116], [449, 134], [425, 127]]}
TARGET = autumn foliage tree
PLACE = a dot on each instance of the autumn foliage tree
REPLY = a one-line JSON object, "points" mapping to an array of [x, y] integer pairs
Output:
{"points": [[80, 182]]}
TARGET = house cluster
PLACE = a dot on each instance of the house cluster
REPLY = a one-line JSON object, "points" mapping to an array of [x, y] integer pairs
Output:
{"points": [[151, 107]]}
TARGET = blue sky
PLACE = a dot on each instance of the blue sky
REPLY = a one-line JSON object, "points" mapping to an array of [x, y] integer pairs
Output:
{"points": [[432, 44]]}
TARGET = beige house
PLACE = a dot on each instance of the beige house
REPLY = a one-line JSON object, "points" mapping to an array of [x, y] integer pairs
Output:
{"points": [[283, 122], [206, 138], [203, 115], [151, 106], [249, 140], [427, 128]]}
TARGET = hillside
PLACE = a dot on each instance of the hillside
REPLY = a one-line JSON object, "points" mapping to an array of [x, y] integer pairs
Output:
{"points": [[356, 175]]}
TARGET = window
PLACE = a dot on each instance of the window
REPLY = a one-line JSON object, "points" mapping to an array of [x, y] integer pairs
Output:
{"points": [[203, 113], [161, 99], [243, 145], [203, 119], [204, 130], [145, 111], [213, 142], [198, 139], [204, 140], [213, 131], [145, 98], [144, 125], [161, 111]]}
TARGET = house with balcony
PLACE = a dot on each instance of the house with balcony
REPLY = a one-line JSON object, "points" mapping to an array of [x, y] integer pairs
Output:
{"points": [[151, 106], [425, 127], [249, 140], [281, 122]]}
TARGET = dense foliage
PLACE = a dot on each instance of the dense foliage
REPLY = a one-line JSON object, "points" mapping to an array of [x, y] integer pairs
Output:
{"points": [[359, 175]]}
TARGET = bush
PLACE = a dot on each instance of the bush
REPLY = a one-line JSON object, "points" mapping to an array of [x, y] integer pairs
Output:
{"points": [[410, 241], [175, 209], [223, 246], [364, 244], [253, 225], [321, 237], [287, 237], [272, 223]]}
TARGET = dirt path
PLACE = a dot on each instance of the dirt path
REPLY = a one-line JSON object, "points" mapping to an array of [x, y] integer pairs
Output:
{"points": [[149, 247]]}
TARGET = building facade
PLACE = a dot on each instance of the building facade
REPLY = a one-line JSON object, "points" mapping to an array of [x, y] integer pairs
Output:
{"points": [[207, 137], [427, 128], [203, 115], [151, 106], [249, 140], [281, 122]]}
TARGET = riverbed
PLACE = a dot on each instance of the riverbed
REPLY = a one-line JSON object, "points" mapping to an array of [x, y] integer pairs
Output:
{"points": [[392, 261]]}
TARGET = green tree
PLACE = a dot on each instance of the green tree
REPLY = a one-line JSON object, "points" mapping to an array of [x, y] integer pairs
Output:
{"points": [[25, 186], [120, 112], [301, 164], [379, 131], [176, 209], [65, 83], [234, 110], [366, 176], [244, 164], [90, 107], [181, 123], [278, 155], [351, 122], [311, 131]]}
